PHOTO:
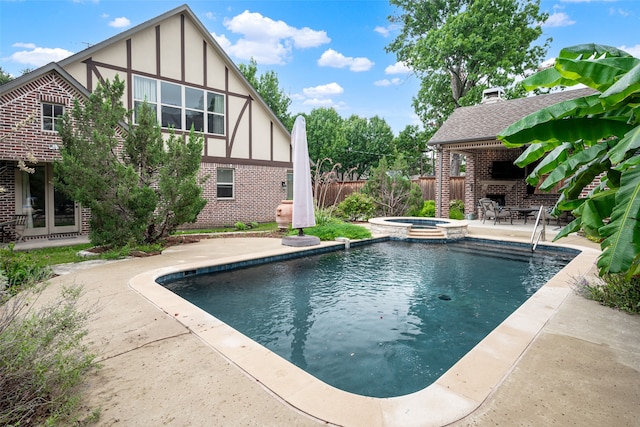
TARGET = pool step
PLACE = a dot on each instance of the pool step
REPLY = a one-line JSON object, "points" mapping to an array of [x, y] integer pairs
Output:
{"points": [[425, 233]]}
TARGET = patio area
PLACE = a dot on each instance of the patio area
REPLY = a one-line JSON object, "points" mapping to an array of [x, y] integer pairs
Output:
{"points": [[582, 368]]}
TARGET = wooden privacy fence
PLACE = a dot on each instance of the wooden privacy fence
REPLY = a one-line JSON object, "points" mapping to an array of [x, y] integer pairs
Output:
{"points": [[336, 192]]}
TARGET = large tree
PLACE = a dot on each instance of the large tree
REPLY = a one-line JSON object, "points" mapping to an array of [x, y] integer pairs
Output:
{"points": [[460, 47], [268, 86], [411, 142], [139, 186], [578, 140]]}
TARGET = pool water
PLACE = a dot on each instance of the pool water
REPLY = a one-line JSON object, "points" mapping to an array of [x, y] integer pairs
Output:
{"points": [[380, 320]]}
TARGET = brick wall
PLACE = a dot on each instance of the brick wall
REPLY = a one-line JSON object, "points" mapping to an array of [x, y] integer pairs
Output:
{"points": [[258, 192]]}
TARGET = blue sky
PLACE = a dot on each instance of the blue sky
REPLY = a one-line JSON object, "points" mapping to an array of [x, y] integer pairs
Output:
{"points": [[328, 53]]}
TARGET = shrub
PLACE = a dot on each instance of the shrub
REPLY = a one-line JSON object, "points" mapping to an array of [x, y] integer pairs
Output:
{"points": [[356, 206], [335, 229], [456, 209], [254, 225], [240, 226], [428, 209], [21, 269], [43, 360], [616, 291]]}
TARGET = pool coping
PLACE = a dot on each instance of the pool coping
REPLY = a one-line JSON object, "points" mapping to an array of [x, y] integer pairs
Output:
{"points": [[456, 394]]}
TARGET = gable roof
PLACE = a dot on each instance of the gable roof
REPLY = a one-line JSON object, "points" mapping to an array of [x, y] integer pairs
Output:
{"points": [[186, 10], [39, 72], [483, 122]]}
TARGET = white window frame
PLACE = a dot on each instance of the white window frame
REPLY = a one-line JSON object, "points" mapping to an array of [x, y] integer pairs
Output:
{"points": [[207, 112], [226, 185], [55, 119]]}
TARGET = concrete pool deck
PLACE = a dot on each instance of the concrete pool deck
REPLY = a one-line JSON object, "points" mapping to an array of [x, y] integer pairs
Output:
{"points": [[582, 367]]}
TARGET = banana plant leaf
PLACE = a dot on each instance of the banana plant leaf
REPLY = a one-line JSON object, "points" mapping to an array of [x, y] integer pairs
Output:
{"points": [[551, 160], [547, 78], [591, 49], [622, 89], [569, 166], [598, 74], [629, 143], [534, 152], [566, 130], [622, 235]]}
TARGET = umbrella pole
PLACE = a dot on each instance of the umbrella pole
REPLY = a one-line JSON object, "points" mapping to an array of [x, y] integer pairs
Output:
{"points": [[300, 232]]}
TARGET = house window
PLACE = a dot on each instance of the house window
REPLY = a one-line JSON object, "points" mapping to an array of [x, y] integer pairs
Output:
{"points": [[52, 116], [144, 90], [181, 107], [224, 187], [215, 113]]}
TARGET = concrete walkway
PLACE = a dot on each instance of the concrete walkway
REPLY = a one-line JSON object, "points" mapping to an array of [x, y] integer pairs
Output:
{"points": [[582, 369]]}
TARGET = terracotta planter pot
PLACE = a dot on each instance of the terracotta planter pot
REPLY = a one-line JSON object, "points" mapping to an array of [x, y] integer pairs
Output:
{"points": [[284, 213]]}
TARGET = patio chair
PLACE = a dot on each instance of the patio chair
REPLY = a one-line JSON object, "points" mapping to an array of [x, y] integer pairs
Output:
{"points": [[491, 210], [481, 208], [15, 227]]}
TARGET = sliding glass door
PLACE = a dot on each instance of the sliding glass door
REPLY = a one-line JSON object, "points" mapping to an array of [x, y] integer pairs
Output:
{"points": [[48, 210]]}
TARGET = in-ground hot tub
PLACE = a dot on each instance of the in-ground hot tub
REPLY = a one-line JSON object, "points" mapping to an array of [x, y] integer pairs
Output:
{"points": [[399, 227]]}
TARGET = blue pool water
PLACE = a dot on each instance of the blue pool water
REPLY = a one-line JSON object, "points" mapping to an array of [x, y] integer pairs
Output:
{"points": [[380, 320]]}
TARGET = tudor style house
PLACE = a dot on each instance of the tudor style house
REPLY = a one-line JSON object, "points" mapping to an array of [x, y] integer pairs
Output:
{"points": [[173, 63], [490, 172]]}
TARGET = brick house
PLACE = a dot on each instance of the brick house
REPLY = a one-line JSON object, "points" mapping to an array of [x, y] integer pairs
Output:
{"points": [[171, 61], [471, 132]]}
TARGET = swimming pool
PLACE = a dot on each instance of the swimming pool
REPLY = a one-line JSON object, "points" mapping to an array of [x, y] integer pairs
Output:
{"points": [[381, 320]]}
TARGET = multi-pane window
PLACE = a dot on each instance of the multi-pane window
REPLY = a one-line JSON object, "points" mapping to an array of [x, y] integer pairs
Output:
{"points": [[51, 116], [224, 183], [144, 90], [181, 107]]}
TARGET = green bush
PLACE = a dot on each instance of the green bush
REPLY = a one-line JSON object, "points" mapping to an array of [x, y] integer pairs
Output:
{"points": [[240, 226], [21, 269], [356, 207], [456, 209], [43, 359], [428, 209], [330, 231], [617, 291]]}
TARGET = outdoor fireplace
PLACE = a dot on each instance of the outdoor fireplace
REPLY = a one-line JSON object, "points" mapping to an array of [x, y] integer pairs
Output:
{"points": [[500, 198]]}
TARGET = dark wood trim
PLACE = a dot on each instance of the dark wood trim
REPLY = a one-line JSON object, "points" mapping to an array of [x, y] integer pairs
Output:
{"points": [[89, 70], [235, 129], [250, 128], [254, 162], [204, 63], [183, 54], [271, 140], [226, 108], [158, 51], [129, 76]]}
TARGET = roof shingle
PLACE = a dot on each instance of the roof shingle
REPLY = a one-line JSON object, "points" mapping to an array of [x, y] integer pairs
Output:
{"points": [[484, 121]]}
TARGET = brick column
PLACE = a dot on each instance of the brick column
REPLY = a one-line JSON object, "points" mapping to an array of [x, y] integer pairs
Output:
{"points": [[443, 167]]}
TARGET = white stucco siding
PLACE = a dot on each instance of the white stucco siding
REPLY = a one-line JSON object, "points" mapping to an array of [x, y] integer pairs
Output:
{"points": [[170, 48], [113, 54], [281, 145], [215, 70], [237, 85], [215, 147], [261, 134], [240, 116], [79, 72], [193, 52], [143, 51]]}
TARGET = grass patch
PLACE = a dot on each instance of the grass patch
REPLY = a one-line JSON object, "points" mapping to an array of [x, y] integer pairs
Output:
{"points": [[332, 230], [616, 291], [267, 226]]}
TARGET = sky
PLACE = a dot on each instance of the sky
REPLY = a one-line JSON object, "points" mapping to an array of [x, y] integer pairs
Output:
{"points": [[326, 53]]}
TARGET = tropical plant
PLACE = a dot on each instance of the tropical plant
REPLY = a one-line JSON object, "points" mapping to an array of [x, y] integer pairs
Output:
{"points": [[593, 136], [456, 209]]}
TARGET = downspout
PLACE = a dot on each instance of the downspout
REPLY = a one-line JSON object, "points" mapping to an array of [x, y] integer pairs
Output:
{"points": [[439, 151]]}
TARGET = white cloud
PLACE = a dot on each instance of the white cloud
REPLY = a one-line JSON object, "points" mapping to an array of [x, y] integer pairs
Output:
{"points": [[38, 56], [223, 41], [386, 31], [398, 68], [24, 45], [558, 19], [268, 41], [331, 58], [323, 90], [210, 16], [386, 82], [632, 50], [121, 22], [318, 102]]}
